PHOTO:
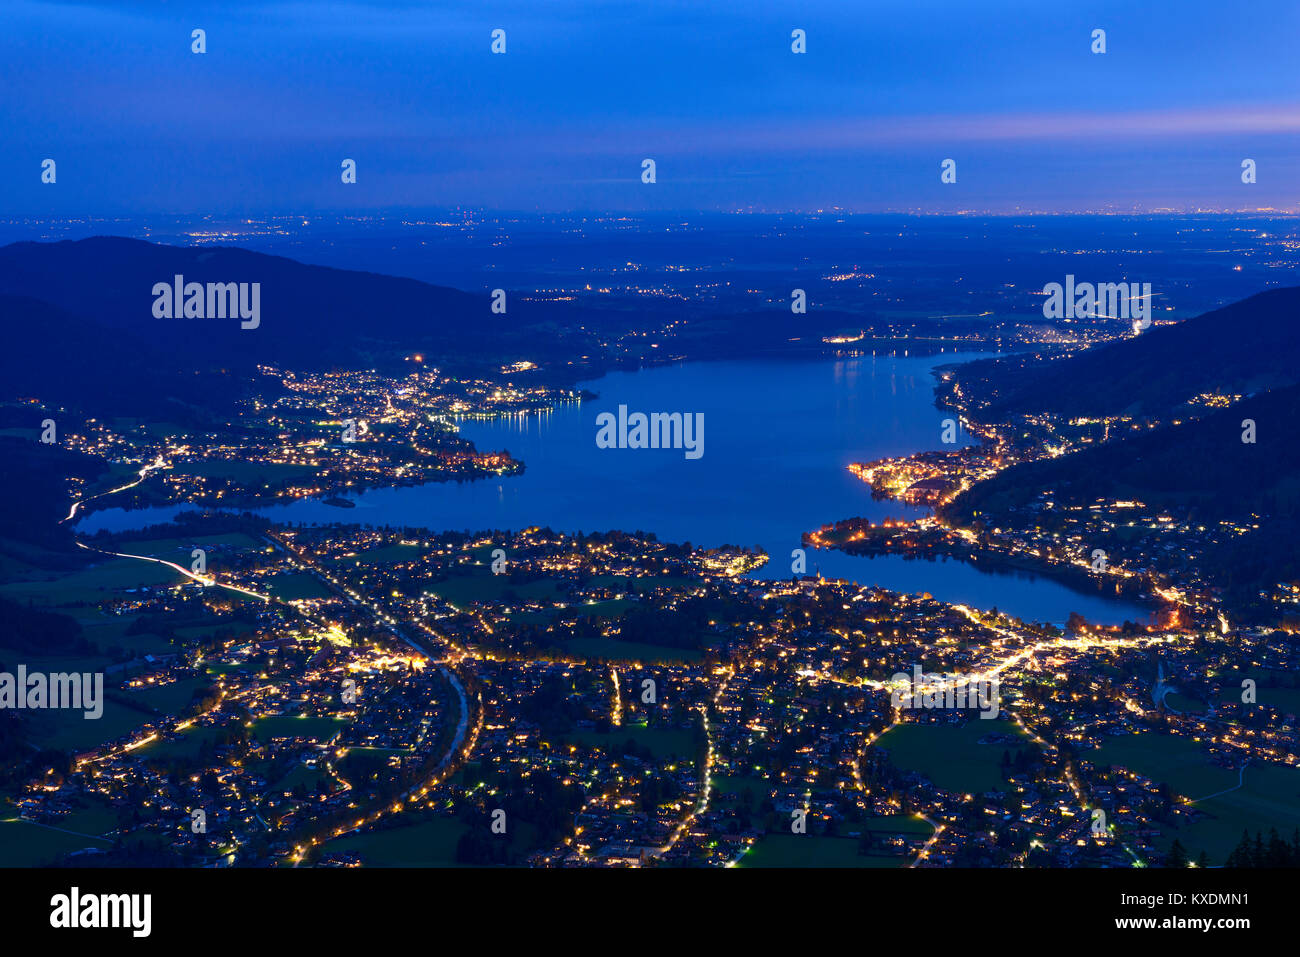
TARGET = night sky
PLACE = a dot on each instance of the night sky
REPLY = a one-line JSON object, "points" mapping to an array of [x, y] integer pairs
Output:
{"points": [[138, 124]]}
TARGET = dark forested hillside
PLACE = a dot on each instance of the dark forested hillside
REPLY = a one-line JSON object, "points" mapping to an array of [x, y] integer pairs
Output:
{"points": [[1201, 465], [1247, 347], [64, 359], [34, 499], [1200, 471]]}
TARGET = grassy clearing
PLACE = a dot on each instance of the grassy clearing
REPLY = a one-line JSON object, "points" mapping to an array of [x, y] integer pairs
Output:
{"points": [[1175, 760], [730, 792], [806, 850], [950, 755], [1269, 795], [173, 698], [297, 585], [383, 555], [70, 731], [90, 585], [1269, 798], [1272, 689], [179, 550], [297, 726], [24, 844], [465, 589]]}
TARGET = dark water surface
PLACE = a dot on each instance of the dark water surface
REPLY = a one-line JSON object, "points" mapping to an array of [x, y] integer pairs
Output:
{"points": [[777, 438]]}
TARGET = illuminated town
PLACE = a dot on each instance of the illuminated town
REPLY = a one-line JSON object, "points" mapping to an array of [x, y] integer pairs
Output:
{"points": [[812, 466], [352, 695]]}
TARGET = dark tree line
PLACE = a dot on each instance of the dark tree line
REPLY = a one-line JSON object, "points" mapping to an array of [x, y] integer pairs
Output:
{"points": [[1258, 852]]}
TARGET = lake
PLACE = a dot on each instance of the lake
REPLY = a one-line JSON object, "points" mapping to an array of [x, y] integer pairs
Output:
{"points": [[777, 439]]}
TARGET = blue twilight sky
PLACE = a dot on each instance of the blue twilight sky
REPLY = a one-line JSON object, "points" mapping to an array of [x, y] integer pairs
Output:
{"points": [[886, 91]]}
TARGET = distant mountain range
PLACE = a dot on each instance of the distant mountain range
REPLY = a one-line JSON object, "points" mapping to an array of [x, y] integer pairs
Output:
{"points": [[1247, 347]]}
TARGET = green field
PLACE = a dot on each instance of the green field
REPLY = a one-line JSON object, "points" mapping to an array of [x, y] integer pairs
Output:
{"points": [[383, 555], [107, 631], [92, 584], [179, 550], [68, 730], [950, 755], [1175, 760], [12, 567], [25, 560], [1286, 699], [289, 726], [463, 590], [24, 844], [157, 430], [170, 699], [806, 850], [216, 668], [309, 778], [296, 585], [1268, 797], [429, 844], [81, 663], [97, 818]]}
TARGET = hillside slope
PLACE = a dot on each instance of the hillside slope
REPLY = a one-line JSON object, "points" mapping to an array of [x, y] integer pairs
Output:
{"points": [[1247, 347]]}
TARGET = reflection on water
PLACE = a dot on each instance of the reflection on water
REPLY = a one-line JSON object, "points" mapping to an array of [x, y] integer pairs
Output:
{"points": [[778, 436]]}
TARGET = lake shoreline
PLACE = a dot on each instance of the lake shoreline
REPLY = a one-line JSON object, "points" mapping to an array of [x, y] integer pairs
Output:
{"points": [[780, 433]]}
